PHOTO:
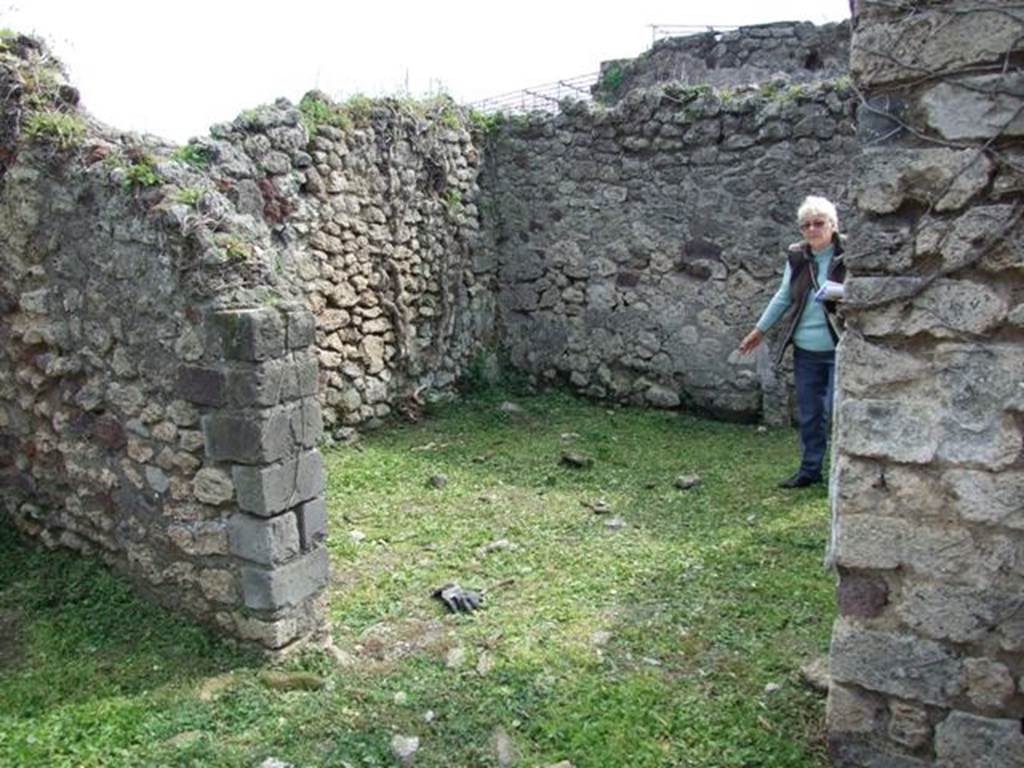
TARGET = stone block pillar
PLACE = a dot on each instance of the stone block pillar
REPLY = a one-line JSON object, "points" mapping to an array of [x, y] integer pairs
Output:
{"points": [[927, 655], [261, 423]]}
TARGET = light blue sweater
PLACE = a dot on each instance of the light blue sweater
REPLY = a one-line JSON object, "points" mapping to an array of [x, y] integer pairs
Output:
{"points": [[811, 332]]}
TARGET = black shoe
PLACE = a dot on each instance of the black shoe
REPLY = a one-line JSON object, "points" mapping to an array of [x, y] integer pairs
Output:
{"points": [[799, 480]]}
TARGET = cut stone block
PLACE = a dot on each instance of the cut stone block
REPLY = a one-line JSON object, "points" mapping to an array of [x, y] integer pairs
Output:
{"points": [[203, 386], [251, 334], [265, 491], [312, 518], [263, 540], [259, 437], [286, 585]]}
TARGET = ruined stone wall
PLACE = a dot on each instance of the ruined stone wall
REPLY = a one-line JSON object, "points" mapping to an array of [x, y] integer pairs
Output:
{"points": [[172, 319], [374, 203], [927, 656], [788, 51], [637, 244]]}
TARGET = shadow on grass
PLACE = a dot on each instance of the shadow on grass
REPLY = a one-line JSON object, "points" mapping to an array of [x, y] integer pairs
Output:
{"points": [[82, 634]]}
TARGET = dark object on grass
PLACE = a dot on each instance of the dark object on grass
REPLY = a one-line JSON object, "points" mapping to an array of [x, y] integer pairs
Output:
{"points": [[686, 482], [458, 600], [577, 460]]}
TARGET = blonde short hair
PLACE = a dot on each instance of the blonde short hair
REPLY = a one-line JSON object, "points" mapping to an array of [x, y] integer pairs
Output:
{"points": [[817, 206]]}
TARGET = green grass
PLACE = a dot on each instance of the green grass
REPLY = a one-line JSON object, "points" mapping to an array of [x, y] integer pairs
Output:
{"points": [[649, 645]]}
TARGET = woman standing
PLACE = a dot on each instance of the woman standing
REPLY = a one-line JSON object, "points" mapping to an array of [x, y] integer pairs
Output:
{"points": [[811, 326]]}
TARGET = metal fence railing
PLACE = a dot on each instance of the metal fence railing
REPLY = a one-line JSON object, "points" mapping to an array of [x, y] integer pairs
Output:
{"points": [[659, 31], [544, 98]]}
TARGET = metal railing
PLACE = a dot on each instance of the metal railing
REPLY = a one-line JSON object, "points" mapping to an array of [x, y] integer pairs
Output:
{"points": [[544, 98], [659, 31]]}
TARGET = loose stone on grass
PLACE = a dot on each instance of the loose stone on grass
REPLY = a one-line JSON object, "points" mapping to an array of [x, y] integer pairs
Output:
{"points": [[404, 748], [598, 506], [686, 482], [291, 681], [614, 523], [437, 481], [815, 674], [576, 460]]}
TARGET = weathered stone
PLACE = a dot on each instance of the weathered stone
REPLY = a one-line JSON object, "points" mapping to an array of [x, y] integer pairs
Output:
{"points": [[905, 432], [908, 724], [958, 613], [885, 179], [901, 49], [251, 334], [203, 386], [265, 491], [870, 541], [964, 740], [268, 541], [897, 664], [285, 585], [989, 683], [981, 107], [986, 497], [849, 710], [213, 486], [259, 437], [312, 521], [861, 595]]}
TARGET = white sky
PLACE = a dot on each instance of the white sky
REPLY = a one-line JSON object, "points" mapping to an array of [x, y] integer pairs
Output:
{"points": [[174, 68]]}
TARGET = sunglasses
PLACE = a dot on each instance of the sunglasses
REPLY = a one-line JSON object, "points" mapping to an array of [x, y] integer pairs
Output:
{"points": [[815, 224]]}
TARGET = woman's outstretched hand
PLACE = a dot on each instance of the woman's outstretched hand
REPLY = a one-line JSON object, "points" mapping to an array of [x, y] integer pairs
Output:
{"points": [[750, 341]]}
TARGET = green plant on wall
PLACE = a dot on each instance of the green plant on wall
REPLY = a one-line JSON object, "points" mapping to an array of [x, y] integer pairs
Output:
{"points": [[317, 112], [141, 173], [192, 154], [612, 77], [452, 201], [61, 129], [233, 246], [189, 195], [487, 123]]}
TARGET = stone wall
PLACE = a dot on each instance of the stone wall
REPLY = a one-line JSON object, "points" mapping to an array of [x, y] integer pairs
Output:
{"points": [[127, 383], [790, 52], [638, 244], [928, 653], [374, 205], [174, 317]]}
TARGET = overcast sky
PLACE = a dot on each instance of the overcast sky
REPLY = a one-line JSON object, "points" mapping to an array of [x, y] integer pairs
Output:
{"points": [[174, 68]]}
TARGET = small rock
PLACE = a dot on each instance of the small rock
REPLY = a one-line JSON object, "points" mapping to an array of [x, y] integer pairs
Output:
{"points": [[214, 685], [598, 507], [401, 698], [762, 429], [815, 674], [576, 460], [495, 546], [455, 658], [504, 750], [600, 637], [428, 716], [291, 681], [184, 739], [686, 482], [562, 764], [772, 688], [437, 481], [510, 408], [356, 535], [404, 747], [273, 762], [614, 523], [570, 435], [484, 664]]}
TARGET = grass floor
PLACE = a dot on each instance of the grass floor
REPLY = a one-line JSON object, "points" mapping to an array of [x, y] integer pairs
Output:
{"points": [[626, 622]]}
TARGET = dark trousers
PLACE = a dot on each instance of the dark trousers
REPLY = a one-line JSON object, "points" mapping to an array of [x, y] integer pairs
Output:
{"points": [[815, 374]]}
